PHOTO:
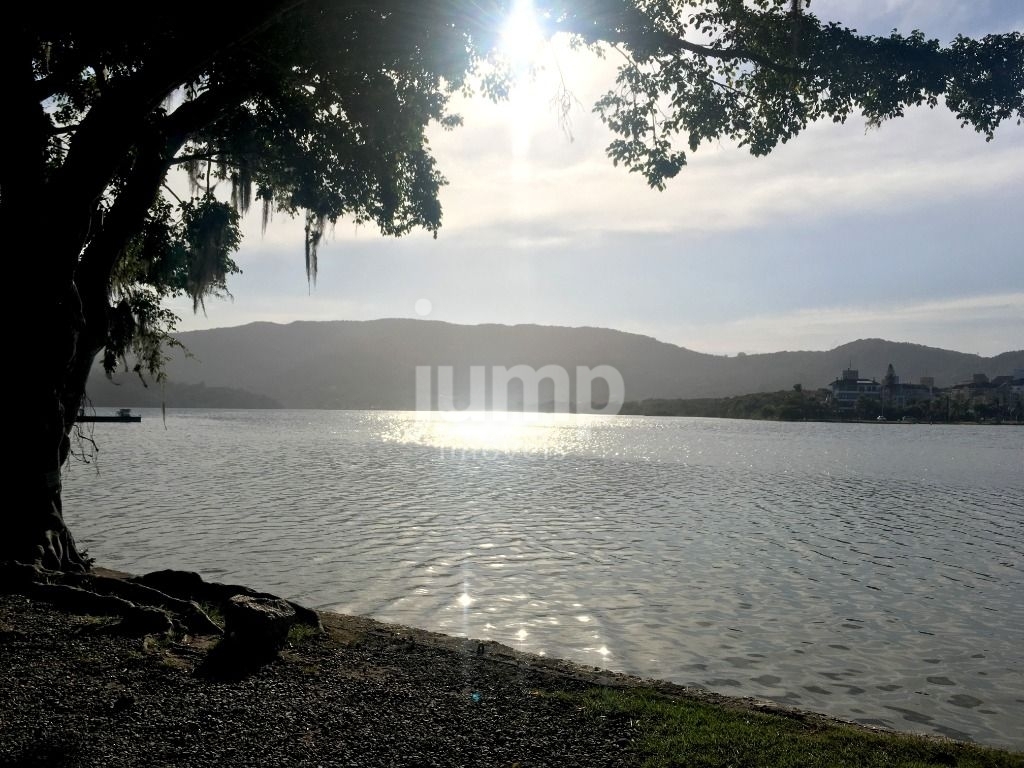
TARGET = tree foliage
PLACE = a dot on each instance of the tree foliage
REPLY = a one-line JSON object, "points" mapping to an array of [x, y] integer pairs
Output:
{"points": [[793, 405], [183, 251], [764, 70]]}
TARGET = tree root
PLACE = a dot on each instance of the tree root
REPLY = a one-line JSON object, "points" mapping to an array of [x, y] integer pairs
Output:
{"points": [[162, 602], [142, 610], [135, 619], [188, 585], [187, 614], [46, 542]]}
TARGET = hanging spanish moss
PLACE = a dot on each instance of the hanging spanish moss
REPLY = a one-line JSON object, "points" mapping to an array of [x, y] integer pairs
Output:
{"points": [[211, 230], [241, 188], [315, 224], [195, 175], [265, 214]]}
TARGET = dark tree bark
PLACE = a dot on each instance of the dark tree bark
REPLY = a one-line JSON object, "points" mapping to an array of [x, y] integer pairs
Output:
{"points": [[35, 531], [42, 331]]}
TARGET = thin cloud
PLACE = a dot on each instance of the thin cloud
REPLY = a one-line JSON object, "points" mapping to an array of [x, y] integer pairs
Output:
{"points": [[842, 168]]}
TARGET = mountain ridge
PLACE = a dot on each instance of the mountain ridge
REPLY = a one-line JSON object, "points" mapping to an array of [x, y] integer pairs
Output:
{"points": [[372, 363]]}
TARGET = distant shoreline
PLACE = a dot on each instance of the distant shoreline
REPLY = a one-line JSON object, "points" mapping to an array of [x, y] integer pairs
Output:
{"points": [[993, 423]]}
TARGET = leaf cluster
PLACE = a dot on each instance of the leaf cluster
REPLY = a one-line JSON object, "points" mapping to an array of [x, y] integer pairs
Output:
{"points": [[183, 251]]}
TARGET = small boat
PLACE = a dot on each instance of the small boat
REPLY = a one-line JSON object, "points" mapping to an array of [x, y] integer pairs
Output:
{"points": [[123, 414]]}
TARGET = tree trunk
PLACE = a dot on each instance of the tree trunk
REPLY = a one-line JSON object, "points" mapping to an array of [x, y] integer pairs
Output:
{"points": [[42, 327], [35, 531]]}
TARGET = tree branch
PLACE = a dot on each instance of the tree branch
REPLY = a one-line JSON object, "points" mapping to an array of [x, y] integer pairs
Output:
{"points": [[153, 156], [109, 130], [734, 54], [204, 156], [173, 193], [632, 29], [47, 87]]}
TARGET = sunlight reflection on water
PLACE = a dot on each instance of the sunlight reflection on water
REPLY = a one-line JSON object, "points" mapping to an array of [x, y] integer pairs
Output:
{"points": [[554, 433]]}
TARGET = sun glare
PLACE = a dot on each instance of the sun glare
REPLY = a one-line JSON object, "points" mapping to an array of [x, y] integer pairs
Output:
{"points": [[486, 431], [521, 36], [521, 45]]}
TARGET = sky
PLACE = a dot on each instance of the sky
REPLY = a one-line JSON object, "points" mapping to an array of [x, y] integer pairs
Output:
{"points": [[911, 232]]}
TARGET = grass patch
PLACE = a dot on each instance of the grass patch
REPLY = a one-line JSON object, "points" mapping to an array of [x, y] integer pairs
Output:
{"points": [[683, 732], [91, 622], [214, 611], [165, 650], [302, 633], [156, 644]]}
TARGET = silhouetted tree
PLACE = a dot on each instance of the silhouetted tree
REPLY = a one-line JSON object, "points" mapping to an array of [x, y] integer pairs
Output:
{"points": [[318, 108]]}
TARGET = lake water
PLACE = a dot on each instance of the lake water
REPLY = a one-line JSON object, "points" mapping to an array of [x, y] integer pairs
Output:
{"points": [[874, 572]]}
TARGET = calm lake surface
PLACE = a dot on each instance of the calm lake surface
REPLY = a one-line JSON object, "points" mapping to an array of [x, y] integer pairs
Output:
{"points": [[874, 572]]}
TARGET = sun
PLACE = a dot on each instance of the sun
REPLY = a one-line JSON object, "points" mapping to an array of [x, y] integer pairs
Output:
{"points": [[521, 36], [522, 47]]}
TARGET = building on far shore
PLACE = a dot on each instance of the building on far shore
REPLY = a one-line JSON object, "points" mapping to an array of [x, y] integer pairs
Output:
{"points": [[846, 391], [895, 394], [1001, 397], [889, 393], [1002, 391]]}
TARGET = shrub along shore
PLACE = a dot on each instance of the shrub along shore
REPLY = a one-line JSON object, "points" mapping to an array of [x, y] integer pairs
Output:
{"points": [[90, 678]]}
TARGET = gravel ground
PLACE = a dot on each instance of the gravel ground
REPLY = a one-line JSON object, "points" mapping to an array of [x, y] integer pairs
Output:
{"points": [[75, 693]]}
